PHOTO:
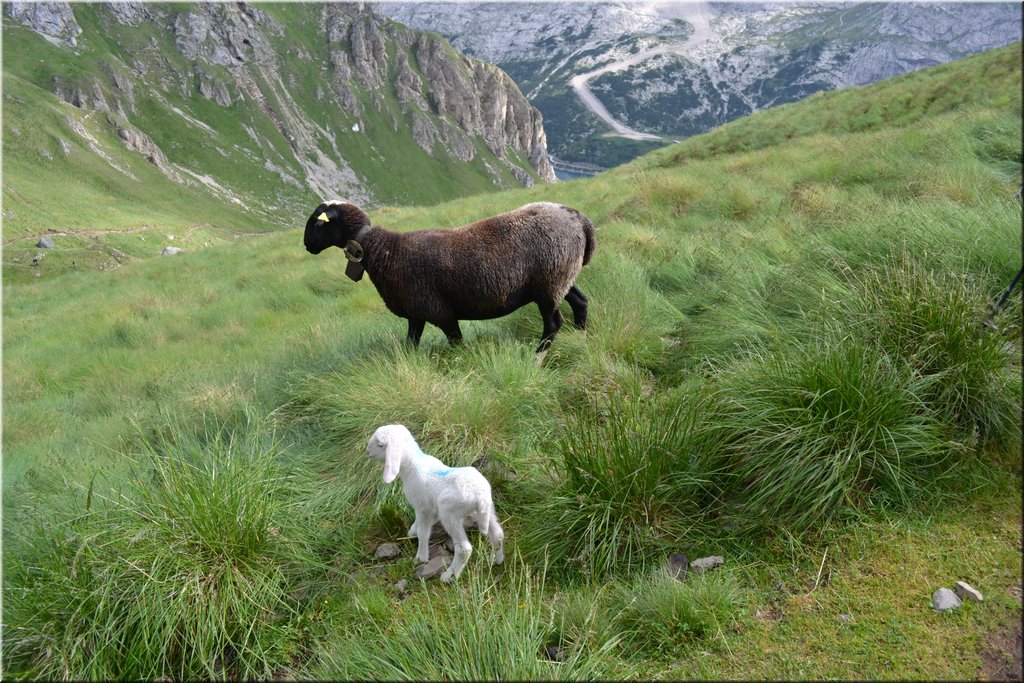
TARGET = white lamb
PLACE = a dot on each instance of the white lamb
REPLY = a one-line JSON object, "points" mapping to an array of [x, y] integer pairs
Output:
{"points": [[438, 492]]}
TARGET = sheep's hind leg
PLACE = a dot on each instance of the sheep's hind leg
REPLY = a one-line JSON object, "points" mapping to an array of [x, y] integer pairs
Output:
{"points": [[496, 535], [452, 331], [578, 302], [552, 323], [463, 549]]}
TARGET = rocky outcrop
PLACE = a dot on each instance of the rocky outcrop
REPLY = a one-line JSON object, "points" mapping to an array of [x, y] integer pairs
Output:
{"points": [[139, 142], [374, 79], [52, 20]]}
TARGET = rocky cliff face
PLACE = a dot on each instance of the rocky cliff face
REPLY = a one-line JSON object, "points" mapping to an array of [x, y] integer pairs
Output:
{"points": [[324, 93], [678, 69]]}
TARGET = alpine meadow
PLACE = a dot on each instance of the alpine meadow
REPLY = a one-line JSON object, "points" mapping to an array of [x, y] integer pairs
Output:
{"points": [[784, 366]]}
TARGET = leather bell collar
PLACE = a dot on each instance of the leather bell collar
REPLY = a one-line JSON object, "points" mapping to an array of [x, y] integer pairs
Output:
{"points": [[354, 253]]}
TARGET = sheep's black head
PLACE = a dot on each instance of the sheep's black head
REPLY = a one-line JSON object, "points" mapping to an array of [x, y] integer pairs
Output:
{"points": [[333, 224]]}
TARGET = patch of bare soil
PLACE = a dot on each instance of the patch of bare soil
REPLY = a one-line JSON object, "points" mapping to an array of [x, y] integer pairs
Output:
{"points": [[1001, 660]]}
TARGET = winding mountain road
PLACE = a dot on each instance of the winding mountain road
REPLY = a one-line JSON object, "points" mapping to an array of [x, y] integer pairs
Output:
{"points": [[697, 14]]}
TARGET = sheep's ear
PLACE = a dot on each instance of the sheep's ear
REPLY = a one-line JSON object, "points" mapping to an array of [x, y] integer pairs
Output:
{"points": [[392, 458]]}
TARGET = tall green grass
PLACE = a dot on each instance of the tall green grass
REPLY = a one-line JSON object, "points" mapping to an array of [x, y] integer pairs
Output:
{"points": [[488, 628], [626, 480], [823, 427], [185, 572]]}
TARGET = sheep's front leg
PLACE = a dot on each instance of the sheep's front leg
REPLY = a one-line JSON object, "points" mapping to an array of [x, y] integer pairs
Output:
{"points": [[415, 331], [421, 528]]}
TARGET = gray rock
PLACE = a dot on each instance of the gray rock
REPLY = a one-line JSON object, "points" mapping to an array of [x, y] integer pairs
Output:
{"points": [[8, 215], [494, 469], [440, 550], [433, 567], [845, 618], [677, 566], [706, 564], [401, 585], [54, 21], [555, 653], [966, 591], [170, 251], [387, 551], [944, 600], [45, 242]]}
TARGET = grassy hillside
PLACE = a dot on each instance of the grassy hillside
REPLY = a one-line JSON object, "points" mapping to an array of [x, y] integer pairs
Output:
{"points": [[784, 366]]}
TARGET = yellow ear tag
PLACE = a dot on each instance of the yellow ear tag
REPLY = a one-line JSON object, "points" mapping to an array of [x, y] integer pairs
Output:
{"points": [[323, 217]]}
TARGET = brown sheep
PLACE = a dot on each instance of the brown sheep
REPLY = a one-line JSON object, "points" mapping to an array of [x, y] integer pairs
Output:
{"points": [[475, 272]]}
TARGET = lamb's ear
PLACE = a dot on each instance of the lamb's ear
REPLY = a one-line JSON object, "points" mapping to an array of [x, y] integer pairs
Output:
{"points": [[393, 457]]}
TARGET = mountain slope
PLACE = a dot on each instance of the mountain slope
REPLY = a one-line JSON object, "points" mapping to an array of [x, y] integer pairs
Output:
{"points": [[268, 107], [673, 70]]}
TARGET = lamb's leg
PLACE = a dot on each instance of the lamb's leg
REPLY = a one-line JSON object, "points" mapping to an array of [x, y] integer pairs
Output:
{"points": [[422, 527], [463, 549], [552, 322], [578, 302], [452, 331], [415, 331], [496, 536]]}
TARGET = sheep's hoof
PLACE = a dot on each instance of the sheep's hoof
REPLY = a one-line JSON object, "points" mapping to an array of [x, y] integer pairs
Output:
{"points": [[447, 577]]}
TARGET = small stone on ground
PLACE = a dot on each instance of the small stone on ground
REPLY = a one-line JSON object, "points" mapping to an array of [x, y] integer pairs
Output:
{"points": [[944, 600], [677, 565], [554, 653], [387, 551], [966, 591], [432, 568], [706, 563]]}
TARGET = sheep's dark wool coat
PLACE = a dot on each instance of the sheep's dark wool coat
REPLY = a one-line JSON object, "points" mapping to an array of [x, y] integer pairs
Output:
{"points": [[483, 270]]}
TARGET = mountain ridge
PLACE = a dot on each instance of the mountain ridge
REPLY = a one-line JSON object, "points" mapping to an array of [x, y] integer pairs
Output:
{"points": [[755, 55], [330, 98]]}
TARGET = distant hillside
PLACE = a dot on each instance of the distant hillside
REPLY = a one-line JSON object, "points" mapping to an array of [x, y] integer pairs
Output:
{"points": [[673, 70], [129, 111]]}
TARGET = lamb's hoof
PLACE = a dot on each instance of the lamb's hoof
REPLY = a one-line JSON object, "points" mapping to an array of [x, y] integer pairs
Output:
{"points": [[447, 577], [499, 559]]}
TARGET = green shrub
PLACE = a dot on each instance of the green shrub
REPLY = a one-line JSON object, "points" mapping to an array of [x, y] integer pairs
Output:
{"points": [[931, 321], [817, 427], [661, 615], [628, 476]]}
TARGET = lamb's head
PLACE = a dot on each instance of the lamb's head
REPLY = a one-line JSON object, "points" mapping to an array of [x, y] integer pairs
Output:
{"points": [[389, 443], [333, 224]]}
